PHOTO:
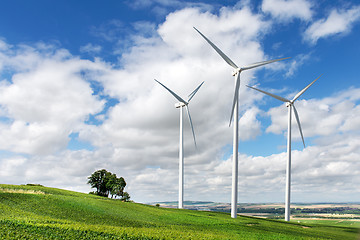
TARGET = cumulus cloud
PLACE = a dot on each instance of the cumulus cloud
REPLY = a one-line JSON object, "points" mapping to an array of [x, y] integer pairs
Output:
{"points": [[320, 117], [109, 31], [249, 125], [183, 60], [51, 94], [45, 100], [286, 10], [191, 58], [90, 48], [339, 21], [162, 7], [296, 63], [317, 174]]}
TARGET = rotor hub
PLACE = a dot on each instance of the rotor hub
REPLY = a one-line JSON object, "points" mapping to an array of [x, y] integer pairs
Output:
{"points": [[236, 71], [180, 104]]}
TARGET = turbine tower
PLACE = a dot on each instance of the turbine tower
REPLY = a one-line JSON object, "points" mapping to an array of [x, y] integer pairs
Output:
{"points": [[235, 112], [290, 105], [182, 103]]}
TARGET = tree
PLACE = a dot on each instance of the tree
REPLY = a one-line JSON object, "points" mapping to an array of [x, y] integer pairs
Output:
{"points": [[125, 197], [118, 188], [98, 180], [108, 183], [111, 184]]}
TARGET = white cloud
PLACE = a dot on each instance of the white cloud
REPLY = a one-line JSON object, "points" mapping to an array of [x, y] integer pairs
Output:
{"points": [[90, 48], [339, 21], [161, 7], [46, 100], [13, 167], [49, 96], [109, 31], [286, 10], [249, 126], [320, 117], [183, 59], [296, 63]]}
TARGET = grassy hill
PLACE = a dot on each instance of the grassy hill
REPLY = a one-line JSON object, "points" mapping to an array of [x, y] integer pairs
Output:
{"points": [[36, 212]]}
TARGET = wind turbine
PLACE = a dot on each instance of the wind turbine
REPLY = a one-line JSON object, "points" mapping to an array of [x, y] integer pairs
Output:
{"points": [[290, 105], [235, 112], [182, 103]]}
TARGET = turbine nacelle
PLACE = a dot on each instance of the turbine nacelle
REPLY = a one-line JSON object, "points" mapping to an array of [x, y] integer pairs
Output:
{"points": [[180, 104], [236, 71]]}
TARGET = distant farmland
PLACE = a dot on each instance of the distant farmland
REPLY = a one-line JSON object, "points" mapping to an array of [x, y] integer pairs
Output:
{"points": [[339, 213]]}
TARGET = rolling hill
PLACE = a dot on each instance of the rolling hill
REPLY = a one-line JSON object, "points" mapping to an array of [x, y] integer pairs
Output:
{"points": [[37, 212]]}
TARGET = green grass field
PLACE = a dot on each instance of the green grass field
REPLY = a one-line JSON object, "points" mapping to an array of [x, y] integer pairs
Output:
{"points": [[35, 212]]}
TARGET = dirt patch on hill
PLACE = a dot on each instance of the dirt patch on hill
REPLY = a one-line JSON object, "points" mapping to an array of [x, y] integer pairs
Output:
{"points": [[24, 191]]}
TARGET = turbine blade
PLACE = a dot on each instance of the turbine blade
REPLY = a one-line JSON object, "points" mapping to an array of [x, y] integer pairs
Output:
{"points": [[236, 96], [306, 88], [298, 122], [174, 94], [191, 95], [226, 58], [258, 64], [192, 127], [270, 94]]}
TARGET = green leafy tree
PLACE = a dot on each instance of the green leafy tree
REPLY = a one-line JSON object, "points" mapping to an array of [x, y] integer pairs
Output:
{"points": [[107, 183], [125, 197], [99, 180], [111, 184], [118, 188]]}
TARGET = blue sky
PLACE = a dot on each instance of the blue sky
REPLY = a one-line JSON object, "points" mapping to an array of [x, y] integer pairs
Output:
{"points": [[77, 94]]}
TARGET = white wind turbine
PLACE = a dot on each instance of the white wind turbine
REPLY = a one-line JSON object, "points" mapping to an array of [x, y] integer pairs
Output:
{"points": [[182, 103], [235, 112], [290, 105]]}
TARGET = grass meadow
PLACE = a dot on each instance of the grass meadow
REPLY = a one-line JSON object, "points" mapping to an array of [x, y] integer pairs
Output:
{"points": [[36, 212]]}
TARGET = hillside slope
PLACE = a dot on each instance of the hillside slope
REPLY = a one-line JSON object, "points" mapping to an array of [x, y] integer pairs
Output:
{"points": [[36, 212]]}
